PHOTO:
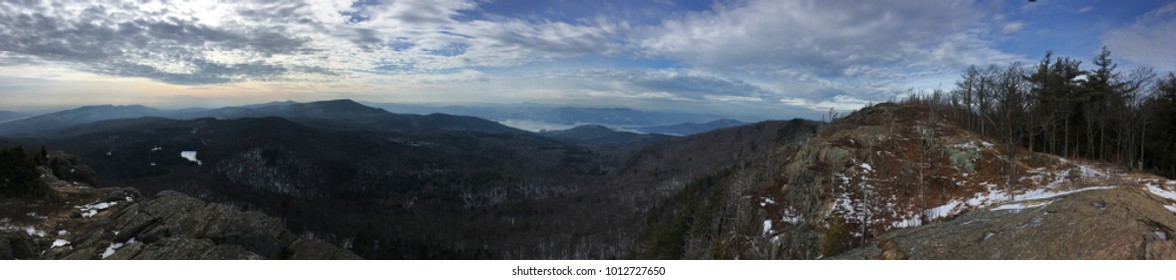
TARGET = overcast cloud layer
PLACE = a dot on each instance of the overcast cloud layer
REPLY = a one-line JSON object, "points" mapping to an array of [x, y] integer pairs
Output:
{"points": [[762, 58]]}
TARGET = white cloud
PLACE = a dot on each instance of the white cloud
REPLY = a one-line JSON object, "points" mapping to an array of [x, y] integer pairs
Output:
{"points": [[1013, 27], [825, 36], [733, 98], [1084, 10], [210, 42], [807, 54], [834, 53], [1149, 40]]}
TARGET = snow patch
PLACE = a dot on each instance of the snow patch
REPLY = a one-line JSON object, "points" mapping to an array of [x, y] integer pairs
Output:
{"points": [[766, 200], [767, 226], [1021, 205], [867, 167], [59, 243], [32, 231], [906, 223], [943, 210], [1171, 207], [1088, 172], [191, 156], [115, 246], [157, 148], [1155, 189], [62, 232], [89, 210], [1043, 193], [791, 217], [948, 209]]}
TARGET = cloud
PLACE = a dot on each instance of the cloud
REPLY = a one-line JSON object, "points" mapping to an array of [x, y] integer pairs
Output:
{"points": [[833, 53], [745, 55], [1085, 9], [1013, 27], [677, 84], [208, 42], [1148, 40], [826, 38], [124, 42]]}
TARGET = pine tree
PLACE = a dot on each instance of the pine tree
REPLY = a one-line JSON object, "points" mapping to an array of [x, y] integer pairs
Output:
{"points": [[44, 158], [18, 174]]}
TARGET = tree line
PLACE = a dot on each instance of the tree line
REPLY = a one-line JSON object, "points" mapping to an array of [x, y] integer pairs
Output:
{"points": [[1058, 106]]}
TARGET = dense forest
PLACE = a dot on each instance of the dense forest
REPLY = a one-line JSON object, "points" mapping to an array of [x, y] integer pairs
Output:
{"points": [[1059, 106]]}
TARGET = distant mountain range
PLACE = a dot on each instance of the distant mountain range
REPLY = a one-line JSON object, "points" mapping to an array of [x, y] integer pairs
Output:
{"points": [[564, 116], [601, 136], [683, 129], [6, 116], [337, 114], [51, 122], [348, 114]]}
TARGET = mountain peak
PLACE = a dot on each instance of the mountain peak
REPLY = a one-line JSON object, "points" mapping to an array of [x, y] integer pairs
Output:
{"points": [[85, 114], [337, 106], [727, 122], [693, 128], [128, 106], [592, 128]]}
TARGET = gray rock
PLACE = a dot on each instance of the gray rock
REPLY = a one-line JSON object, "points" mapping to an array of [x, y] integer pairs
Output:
{"points": [[175, 226], [16, 245], [1067, 228], [230, 252], [174, 248]]}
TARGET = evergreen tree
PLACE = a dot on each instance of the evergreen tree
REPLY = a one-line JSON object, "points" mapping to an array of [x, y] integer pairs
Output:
{"points": [[18, 174]]}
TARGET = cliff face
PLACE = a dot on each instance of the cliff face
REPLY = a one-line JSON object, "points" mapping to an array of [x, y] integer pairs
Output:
{"points": [[81, 222]]}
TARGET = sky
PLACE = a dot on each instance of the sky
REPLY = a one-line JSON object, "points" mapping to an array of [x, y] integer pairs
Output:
{"points": [[765, 58]]}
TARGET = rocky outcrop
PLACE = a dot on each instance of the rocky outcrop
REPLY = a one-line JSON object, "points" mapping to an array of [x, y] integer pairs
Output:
{"points": [[69, 167], [16, 245], [1117, 223], [175, 226], [896, 182], [79, 222]]}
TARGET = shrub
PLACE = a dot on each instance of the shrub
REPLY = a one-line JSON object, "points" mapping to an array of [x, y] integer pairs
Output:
{"points": [[962, 159], [833, 239]]}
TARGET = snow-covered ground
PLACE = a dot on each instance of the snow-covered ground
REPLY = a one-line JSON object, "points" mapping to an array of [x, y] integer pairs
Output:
{"points": [[1158, 190], [115, 246], [790, 216], [89, 210], [765, 201], [191, 156], [1017, 200]]}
